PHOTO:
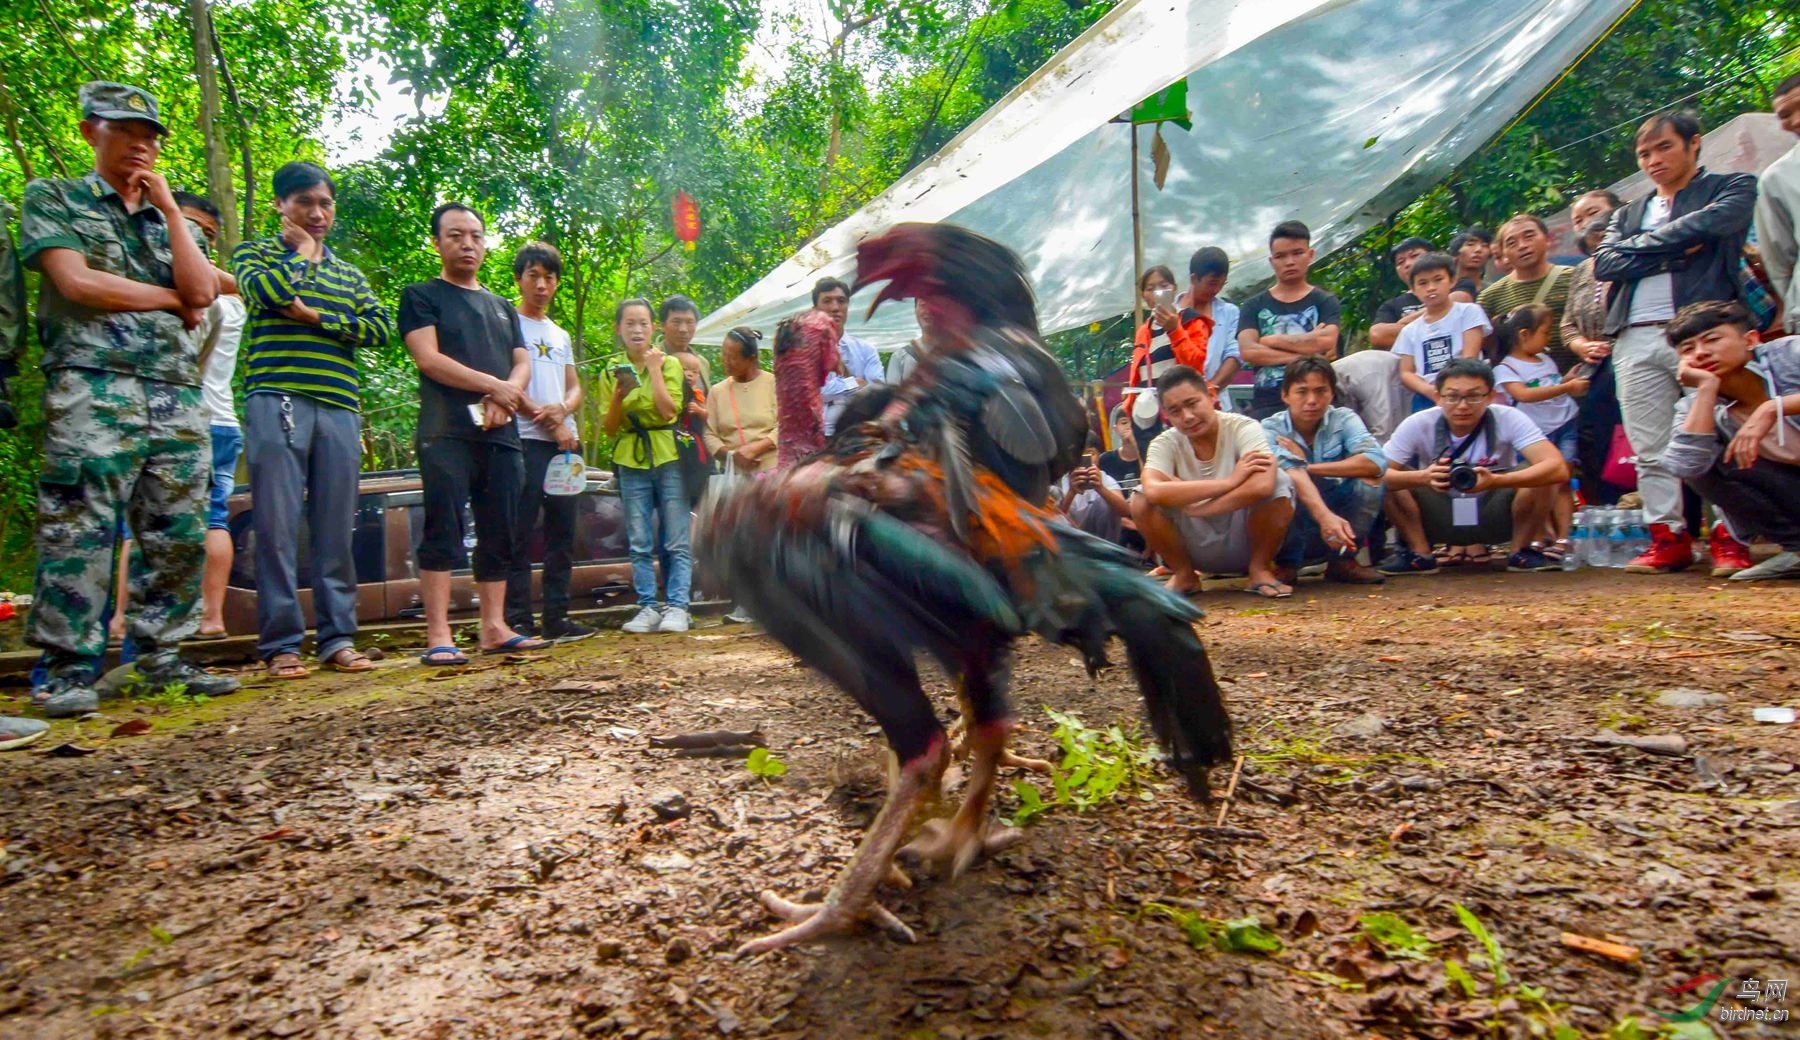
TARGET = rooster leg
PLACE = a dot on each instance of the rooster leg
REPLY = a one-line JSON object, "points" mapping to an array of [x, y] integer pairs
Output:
{"points": [[957, 842], [961, 743], [852, 897]]}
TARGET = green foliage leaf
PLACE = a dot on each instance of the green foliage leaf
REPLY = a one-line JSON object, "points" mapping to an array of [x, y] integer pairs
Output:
{"points": [[1456, 973], [1395, 937], [1496, 958], [762, 763]]}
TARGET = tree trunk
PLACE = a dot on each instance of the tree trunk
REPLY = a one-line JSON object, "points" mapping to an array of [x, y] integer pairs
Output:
{"points": [[218, 168], [243, 123]]}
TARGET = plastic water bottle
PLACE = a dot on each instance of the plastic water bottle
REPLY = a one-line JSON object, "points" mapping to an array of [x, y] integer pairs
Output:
{"points": [[1640, 535], [1619, 545], [1578, 536], [1593, 548]]}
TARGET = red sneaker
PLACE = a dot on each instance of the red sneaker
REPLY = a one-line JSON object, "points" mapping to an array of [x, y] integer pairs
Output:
{"points": [[1728, 554], [1669, 552]]}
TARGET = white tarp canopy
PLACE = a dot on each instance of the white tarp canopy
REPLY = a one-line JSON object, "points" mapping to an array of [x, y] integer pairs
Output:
{"points": [[1334, 112]]}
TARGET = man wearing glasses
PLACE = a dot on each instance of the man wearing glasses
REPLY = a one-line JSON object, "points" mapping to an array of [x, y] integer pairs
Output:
{"points": [[1455, 475]]}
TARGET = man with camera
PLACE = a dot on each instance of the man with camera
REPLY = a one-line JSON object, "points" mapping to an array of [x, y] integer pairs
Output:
{"points": [[1455, 475]]}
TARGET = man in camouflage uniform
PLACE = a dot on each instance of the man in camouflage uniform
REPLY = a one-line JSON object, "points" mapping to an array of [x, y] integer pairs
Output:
{"points": [[125, 433], [12, 316]]}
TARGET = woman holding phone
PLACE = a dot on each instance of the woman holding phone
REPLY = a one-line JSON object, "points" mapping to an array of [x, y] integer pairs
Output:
{"points": [[640, 398], [1169, 337]]}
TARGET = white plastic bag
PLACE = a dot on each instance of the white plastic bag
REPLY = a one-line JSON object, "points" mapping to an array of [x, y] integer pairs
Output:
{"points": [[566, 475]]}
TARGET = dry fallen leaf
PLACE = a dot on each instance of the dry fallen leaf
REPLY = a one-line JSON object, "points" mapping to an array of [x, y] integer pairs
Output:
{"points": [[134, 728]]}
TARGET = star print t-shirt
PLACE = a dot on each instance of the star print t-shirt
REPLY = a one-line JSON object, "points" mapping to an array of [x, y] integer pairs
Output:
{"points": [[550, 351]]}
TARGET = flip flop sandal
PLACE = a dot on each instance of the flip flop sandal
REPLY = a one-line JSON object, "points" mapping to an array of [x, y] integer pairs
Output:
{"points": [[358, 661], [455, 658], [1268, 590], [207, 637], [519, 644], [1484, 558], [1448, 557], [285, 667]]}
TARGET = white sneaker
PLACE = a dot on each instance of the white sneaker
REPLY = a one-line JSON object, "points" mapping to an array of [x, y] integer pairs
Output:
{"points": [[739, 616], [648, 619], [675, 620]]}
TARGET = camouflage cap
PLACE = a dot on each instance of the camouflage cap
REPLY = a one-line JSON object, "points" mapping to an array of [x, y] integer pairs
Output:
{"points": [[103, 100]]}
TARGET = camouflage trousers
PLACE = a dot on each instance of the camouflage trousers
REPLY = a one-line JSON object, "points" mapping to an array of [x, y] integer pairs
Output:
{"points": [[116, 446]]}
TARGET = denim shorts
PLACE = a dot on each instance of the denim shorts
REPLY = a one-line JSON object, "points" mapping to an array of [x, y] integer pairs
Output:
{"points": [[227, 445], [1564, 437]]}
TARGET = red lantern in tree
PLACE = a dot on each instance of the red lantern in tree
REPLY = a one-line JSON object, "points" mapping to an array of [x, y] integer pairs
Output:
{"points": [[687, 219]]}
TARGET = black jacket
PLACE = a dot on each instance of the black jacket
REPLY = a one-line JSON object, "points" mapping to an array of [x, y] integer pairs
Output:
{"points": [[1713, 212]]}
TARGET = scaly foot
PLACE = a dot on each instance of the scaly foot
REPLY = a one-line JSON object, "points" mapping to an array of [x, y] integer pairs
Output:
{"points": [[954, 844], [815, 921]]}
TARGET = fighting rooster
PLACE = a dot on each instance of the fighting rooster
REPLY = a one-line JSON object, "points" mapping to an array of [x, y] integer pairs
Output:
{"points": [[922, 527]]}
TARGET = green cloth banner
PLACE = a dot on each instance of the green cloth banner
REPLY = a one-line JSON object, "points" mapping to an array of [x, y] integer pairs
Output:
{"points": [[1169, 104]]}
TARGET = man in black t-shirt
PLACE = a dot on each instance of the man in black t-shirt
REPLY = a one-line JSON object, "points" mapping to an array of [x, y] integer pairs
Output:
{"points": [[1123, 463], [1399, 312], [1289, 319], [473, 371]]}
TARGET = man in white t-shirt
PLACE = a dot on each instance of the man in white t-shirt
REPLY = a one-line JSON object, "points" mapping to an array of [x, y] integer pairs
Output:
{"points": [[219, 334], [1212, 497], [1445, 329], [554, 394], [1454, 475]]}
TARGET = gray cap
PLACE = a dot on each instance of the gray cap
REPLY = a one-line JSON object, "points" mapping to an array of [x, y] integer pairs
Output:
{"points": [[103, 100]]}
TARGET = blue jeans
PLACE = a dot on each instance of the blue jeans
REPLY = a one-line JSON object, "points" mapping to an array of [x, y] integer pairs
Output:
{"points": [[656, 518], [1351, 499]]}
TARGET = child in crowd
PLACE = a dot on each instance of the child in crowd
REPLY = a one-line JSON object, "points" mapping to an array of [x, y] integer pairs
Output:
{"points": [[1528, 379], [1169, 337], [1447, 330]]}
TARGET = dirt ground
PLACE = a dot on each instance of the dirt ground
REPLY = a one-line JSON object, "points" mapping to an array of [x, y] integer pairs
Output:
{"points": [[475, 854]]}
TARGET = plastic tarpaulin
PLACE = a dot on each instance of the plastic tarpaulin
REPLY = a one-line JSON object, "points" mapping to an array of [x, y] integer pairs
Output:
{"points": [[1334, 112]]}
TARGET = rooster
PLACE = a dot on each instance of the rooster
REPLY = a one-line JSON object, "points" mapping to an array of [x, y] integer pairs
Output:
{"points": [[923, 527]]}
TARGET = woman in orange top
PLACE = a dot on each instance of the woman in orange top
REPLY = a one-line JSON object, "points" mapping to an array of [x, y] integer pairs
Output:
{"points": [[1169, 337]]}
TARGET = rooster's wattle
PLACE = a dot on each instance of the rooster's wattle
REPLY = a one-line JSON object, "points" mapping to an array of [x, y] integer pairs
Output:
{"points": [[923, 527]]}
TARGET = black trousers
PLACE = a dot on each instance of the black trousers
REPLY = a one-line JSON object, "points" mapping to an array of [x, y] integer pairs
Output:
{"points": [[1762, 501], [559, 539], [485, 477]]}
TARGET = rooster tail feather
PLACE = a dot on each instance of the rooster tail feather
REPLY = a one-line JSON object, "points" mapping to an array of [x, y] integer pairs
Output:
{"points": [[1182, 700]]}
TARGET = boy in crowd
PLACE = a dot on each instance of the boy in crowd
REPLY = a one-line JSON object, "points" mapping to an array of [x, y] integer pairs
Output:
{"points": [[554, 391], [473, 371], [680, 317], [1213, 498], [1092, 499], [1399, 312], [1454, 475], [1446, 329], [1289, 319], [858, 363], [1123, 463], [1736, 438], [1471, 250], [1208, 269], [1336, 466], [219, 336]]}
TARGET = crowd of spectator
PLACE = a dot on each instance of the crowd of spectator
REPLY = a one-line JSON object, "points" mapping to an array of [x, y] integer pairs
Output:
{"points": [[1497, 393]]}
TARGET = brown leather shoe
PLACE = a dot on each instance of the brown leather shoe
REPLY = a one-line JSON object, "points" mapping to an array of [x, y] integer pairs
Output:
{"points": [[1348, 571]]}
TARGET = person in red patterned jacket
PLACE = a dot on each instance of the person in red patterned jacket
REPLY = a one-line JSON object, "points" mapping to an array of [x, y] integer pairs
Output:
{"points": [[1169, 337]]}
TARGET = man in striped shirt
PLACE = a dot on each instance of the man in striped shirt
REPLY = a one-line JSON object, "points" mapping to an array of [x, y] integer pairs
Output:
{"points": [[310, 311]]}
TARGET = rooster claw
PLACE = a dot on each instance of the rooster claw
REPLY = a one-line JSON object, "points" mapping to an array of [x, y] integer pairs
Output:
{"points": [[815, 921], [947, 843]]}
